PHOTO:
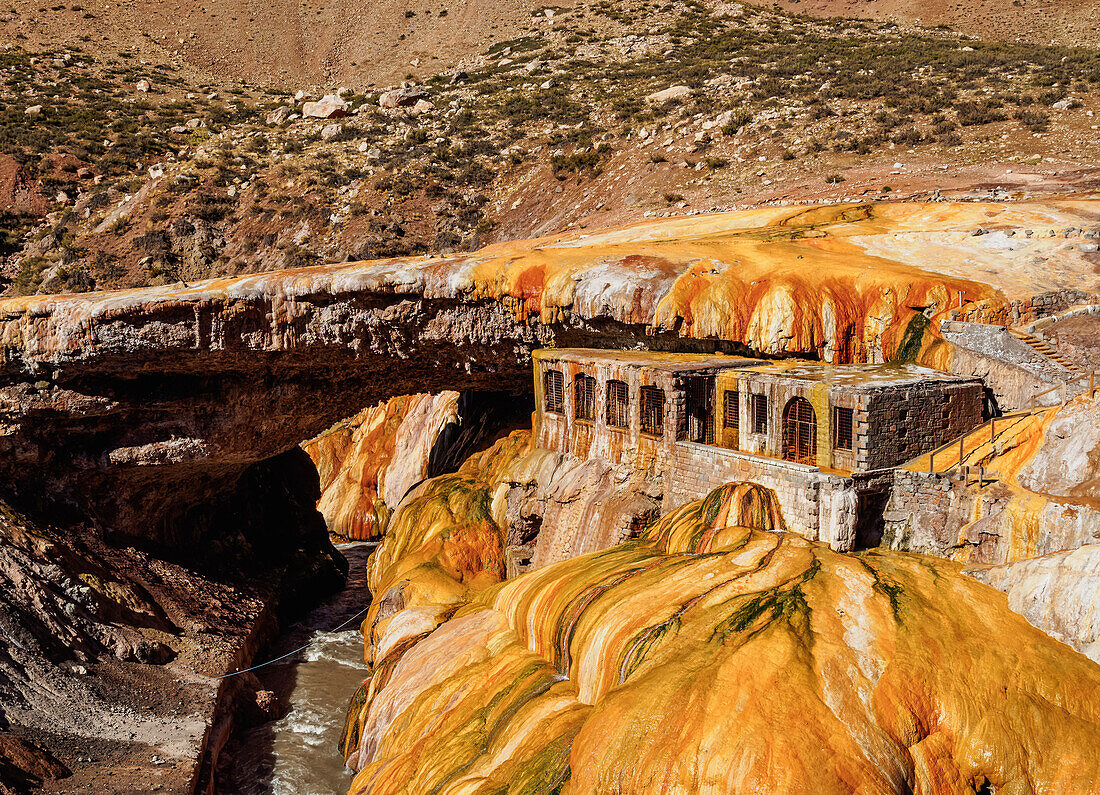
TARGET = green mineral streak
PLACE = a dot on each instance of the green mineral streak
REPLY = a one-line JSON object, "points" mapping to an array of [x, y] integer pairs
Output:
{"points": [[547, 771], [646, 641], [889, 588], [493, 719], [910, 345], [785, 602], [351, 736]]}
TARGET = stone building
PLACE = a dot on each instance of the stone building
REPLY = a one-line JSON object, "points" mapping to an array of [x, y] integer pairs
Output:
{"points": [[825, 438]]}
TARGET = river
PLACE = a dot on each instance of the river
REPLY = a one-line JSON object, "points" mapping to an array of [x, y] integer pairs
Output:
{"points": [[299, 753]]}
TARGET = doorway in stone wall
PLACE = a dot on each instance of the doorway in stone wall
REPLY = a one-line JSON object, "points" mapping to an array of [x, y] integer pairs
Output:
{"points": [[800, 431]]}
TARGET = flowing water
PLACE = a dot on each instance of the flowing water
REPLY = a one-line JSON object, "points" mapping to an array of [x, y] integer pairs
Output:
{"points": [[299, 754]]}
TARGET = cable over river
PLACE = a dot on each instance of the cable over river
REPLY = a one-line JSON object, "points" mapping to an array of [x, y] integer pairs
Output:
{"points": [[299, 753]]}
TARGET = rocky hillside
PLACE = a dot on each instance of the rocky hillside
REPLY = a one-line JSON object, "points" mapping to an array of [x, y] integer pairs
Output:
{"points": [[329, 42], [1038, 21], [603, 117]]}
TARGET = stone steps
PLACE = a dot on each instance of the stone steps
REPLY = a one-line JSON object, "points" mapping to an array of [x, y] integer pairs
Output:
{"points": [[1045, 348]]}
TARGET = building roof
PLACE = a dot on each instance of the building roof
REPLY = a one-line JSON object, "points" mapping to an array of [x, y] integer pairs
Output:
{"points": [[857, 375], [865, 376], [653, 360]]}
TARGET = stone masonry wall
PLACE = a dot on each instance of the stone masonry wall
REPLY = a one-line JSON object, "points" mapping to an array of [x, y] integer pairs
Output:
{"points": [[1023, 311], [943, 515], [897, 425], [815, 505]]}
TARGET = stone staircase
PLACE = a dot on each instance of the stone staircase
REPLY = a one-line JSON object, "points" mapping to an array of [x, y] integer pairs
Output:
{"points": [[1045, 348]]}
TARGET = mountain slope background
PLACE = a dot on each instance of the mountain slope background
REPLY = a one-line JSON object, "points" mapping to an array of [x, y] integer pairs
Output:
{"points": [[118, 169], [329, 42]]}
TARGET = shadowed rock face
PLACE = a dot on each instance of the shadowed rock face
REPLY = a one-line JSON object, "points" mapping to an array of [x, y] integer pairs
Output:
{"points": [[131, 406]]}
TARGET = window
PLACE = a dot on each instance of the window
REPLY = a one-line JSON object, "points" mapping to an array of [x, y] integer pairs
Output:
{"points": [[842, 428], [799, 431], [618, 404], [584, 398], [731, 409], [759, 413], [554, 391], [653, 410], [699, 405]]}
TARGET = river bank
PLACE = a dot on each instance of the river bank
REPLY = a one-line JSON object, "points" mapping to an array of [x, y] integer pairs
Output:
{"points": [[298, 752]]}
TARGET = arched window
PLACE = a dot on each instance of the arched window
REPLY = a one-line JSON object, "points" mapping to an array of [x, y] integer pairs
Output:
{"points": [[584, 397], [554, 391], [800, 432]]}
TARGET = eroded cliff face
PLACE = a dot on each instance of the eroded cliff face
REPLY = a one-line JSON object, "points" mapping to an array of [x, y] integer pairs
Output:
{"points": [[713, 653], [367, 463]]}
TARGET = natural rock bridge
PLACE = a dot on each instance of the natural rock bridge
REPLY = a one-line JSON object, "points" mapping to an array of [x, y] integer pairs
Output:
{"points": [[135, 406]]}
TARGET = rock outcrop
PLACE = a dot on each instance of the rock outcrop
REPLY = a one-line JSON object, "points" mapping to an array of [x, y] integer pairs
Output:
{"points": [[329, 106], [123, 405], [1059, 593], [716, 653], [507, 509], [368, 463]]}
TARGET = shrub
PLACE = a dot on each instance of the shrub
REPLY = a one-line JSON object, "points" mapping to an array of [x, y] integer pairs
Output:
{"points": [[1034, 120], [972, 113]]}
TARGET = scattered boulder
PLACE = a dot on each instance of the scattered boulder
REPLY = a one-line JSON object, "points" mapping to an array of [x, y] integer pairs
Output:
{"points": [[668, 94], [143, 85], [1062, 104], [267, 702], [458, 77], [330, 106], [33, 110], [194, 124], [404, 97], [422, 106], [279, 116], [330, 131]]}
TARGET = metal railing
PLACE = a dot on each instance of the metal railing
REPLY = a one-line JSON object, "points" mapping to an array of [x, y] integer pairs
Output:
{"points": [[992, 423], [961, 441], [1091, 376]]}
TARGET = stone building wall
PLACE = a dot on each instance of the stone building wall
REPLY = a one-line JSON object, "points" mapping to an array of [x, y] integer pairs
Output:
{"points": [[816, 505], [562, 431], [893, 426]]}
